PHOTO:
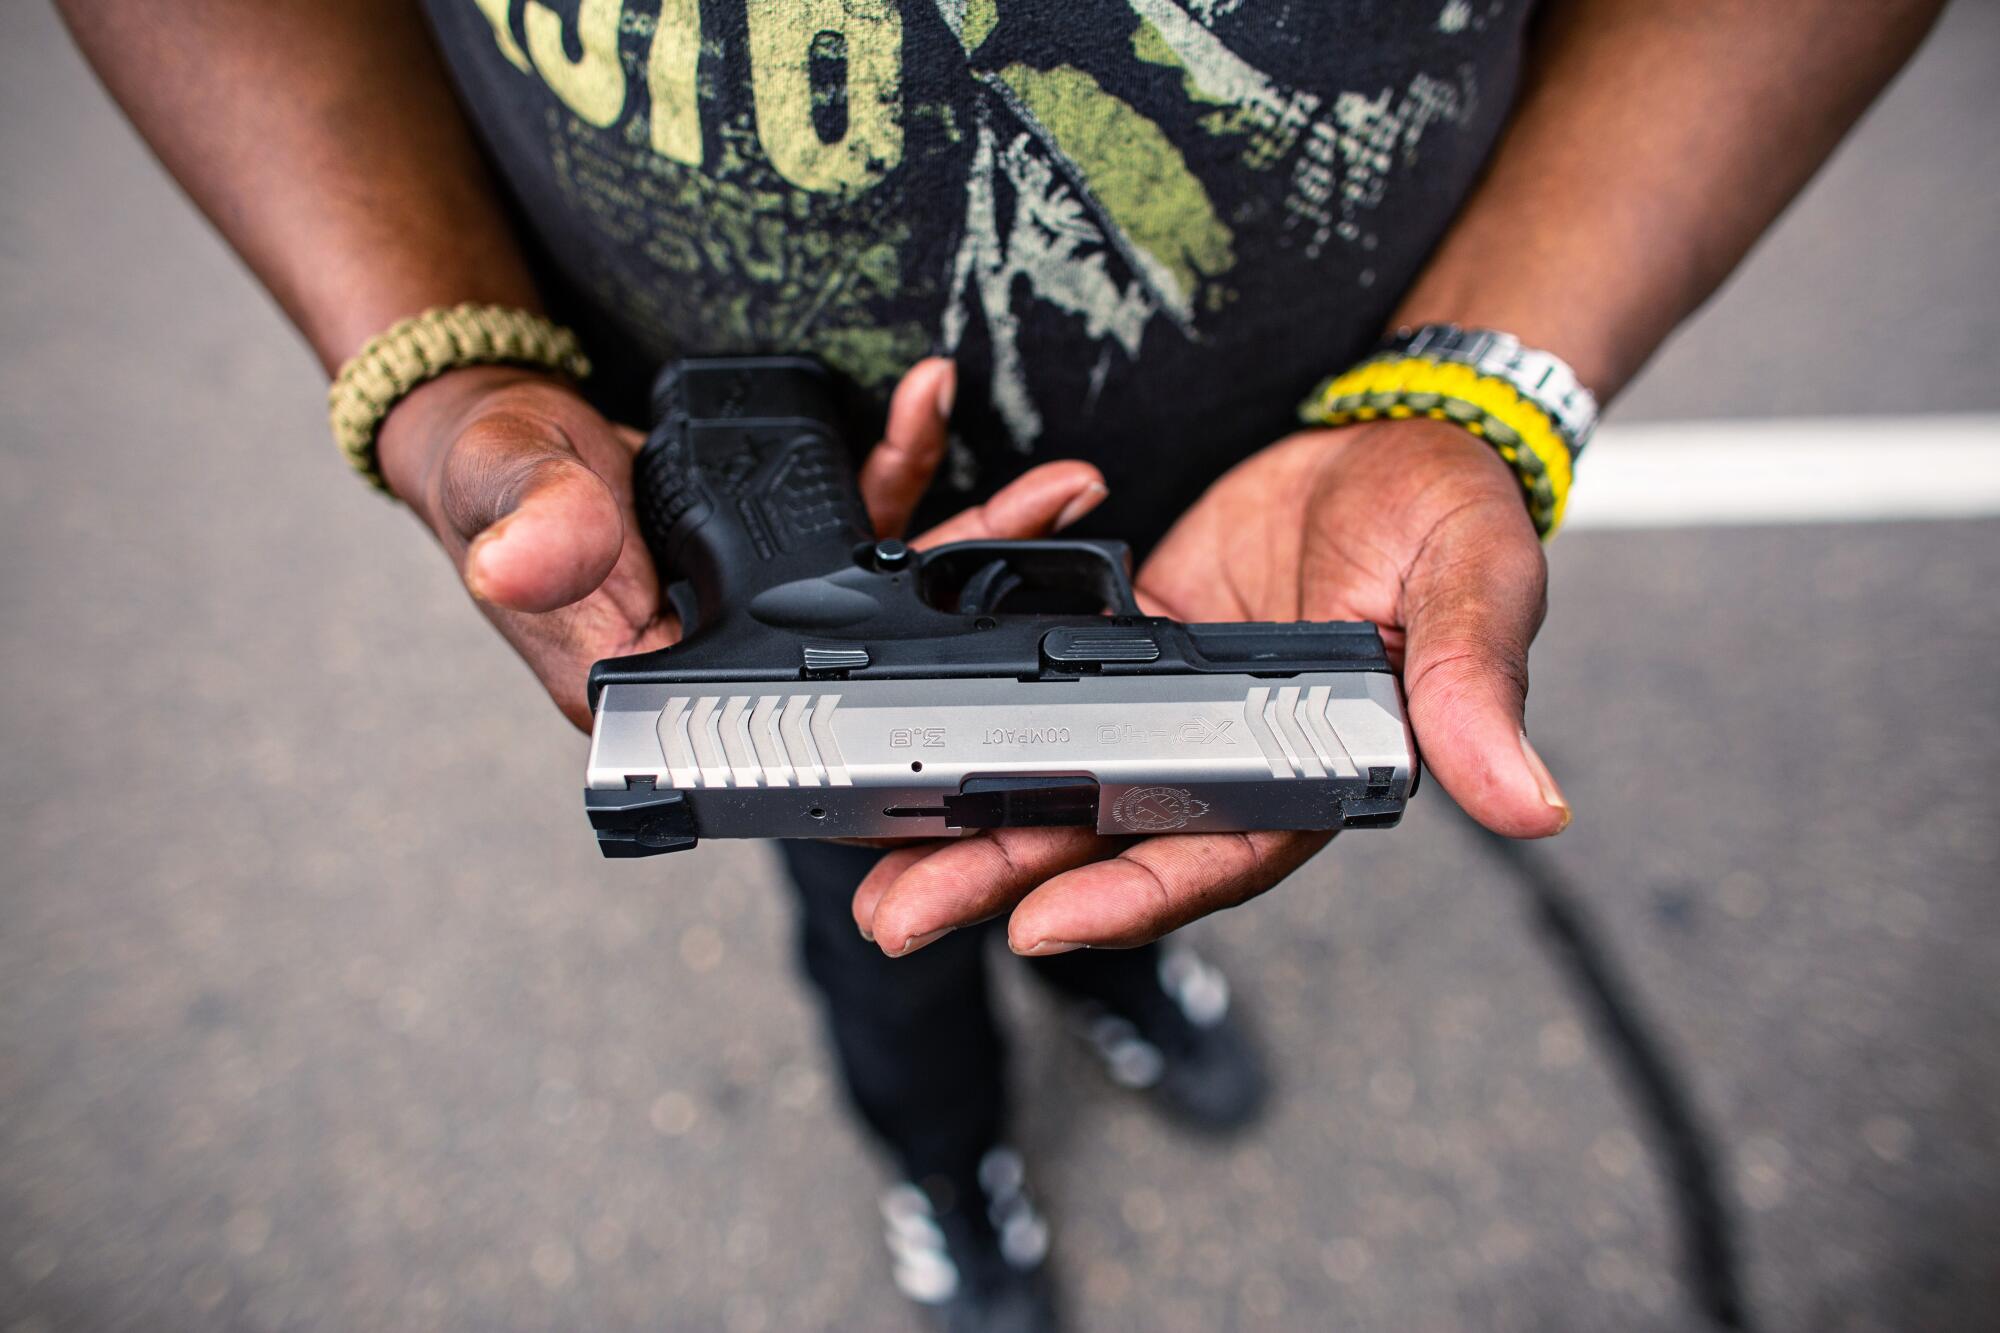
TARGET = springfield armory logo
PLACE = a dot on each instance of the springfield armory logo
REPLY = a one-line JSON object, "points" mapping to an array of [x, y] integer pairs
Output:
{"points": [[1026, 736], [1156, 809], [1200, 731]]}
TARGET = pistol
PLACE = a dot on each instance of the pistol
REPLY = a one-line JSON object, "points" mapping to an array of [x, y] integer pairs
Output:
{"points": [[829, 684]]}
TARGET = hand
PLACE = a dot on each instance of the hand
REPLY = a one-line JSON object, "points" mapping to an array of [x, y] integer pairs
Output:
{"points": [[1414, 525], [529, 490]]}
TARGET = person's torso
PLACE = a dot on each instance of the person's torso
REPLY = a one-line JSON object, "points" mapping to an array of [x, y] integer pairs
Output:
{"points": [[1144, 229]]}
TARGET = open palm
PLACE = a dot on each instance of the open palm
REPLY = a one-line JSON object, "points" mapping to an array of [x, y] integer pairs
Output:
{"points": [[1413, 525]]}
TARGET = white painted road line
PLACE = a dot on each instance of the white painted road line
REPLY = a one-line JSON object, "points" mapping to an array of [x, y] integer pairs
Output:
{"points": [[1790, 470]]}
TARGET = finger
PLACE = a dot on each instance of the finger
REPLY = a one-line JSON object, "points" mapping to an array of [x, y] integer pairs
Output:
{"points": [[911, 902], [899, 469], [1041, 500], [878, 879], [1471, 608], [1153, 887], [544, 529]]}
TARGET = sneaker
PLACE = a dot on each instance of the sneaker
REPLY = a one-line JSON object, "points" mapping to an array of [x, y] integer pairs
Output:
{"points": [[1186, 1050], [973, 1250]]}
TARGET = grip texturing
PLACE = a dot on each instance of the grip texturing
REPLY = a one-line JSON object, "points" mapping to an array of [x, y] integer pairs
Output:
{"points": [[811, 496], [664, 489]]}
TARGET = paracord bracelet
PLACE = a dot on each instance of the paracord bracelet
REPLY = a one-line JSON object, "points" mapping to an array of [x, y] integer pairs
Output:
{"points": [[421, 348]]}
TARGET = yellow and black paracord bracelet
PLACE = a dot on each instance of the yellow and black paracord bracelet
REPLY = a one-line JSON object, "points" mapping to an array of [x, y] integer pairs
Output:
{"points": [[421, 348], [1394, 384]]}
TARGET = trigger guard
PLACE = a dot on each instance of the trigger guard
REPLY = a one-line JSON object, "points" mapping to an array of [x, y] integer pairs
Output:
{"points": [[963, 575]]}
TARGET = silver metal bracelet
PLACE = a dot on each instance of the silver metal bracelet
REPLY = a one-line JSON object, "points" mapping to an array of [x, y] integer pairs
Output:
{"points": [[1542, 378]]}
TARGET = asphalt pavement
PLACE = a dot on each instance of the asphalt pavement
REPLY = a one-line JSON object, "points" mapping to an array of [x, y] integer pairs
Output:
{"points": [[319, 1011]]}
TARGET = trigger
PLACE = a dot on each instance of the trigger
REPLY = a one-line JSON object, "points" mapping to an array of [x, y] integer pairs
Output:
{"points": [[988, 587]]}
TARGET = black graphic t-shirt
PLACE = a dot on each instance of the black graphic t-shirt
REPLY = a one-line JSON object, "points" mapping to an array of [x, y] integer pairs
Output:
{"points": [[1143, 228]]}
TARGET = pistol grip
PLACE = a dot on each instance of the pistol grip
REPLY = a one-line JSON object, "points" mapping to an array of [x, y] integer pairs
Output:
{"points": [[745, 482]]}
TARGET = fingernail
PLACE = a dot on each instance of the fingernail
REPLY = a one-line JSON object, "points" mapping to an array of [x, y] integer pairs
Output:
{"points": [[1049, 948], [947, 393], [1088, 499], [866, 933], [916, 942], [475, 582], [1551, 793]]}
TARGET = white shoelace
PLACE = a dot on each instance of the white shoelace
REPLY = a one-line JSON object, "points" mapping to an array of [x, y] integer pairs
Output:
{"points": [[921, 1264]]}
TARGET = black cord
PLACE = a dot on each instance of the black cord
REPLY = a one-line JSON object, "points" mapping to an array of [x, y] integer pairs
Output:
{"points": [[1683, 1145]]}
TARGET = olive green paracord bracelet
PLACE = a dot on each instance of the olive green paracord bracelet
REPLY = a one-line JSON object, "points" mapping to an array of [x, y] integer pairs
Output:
{"points": [[419, 349]]}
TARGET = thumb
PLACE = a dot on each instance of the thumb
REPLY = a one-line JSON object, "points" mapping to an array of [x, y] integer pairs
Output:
{"points": [[545, 530], [900, 468], [1471, 610]]}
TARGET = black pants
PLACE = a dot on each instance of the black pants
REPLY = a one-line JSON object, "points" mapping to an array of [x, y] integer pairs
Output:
{"points": [[917, 1042]]}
